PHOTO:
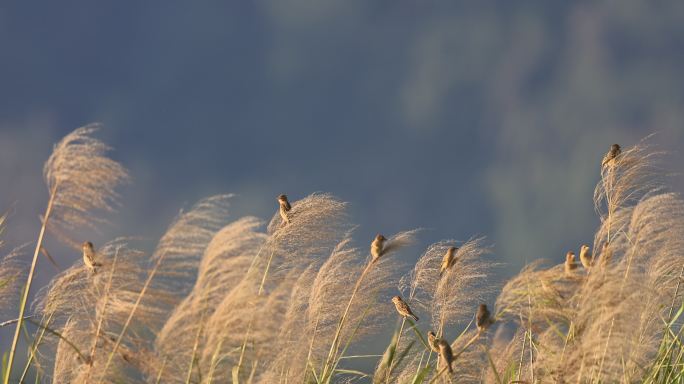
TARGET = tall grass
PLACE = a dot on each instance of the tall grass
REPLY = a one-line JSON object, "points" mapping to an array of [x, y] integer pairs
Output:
{"points": [[298, 300]]}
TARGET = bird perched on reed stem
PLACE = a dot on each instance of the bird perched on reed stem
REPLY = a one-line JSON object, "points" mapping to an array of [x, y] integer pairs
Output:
{"points": [[448, 260], [432, 341], [403, 308], [89, 257], [483, 318], [570, 265], [446, 354], [610, 157], [285, 207], [586, 257], [377, 247]]}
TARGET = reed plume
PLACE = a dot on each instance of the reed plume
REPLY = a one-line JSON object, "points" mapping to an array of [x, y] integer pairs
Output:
{"points": [[80, 180]]}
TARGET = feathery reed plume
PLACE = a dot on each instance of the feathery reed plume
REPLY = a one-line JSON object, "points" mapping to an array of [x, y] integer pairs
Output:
{"points": [[184, 242], [88, 311], [449, 296], [317, 224], [291, 337], [222, 267], [507, 359], [373, 274], [11, 272], [537, 296], [616, 329], [625, 179], [80, 179]]}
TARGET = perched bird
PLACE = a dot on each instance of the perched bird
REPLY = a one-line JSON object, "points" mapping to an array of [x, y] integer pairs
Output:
{"points": [[89, 257], [570, 264], [613, 153], [585, 257], [483, 318], [285, 207], [446, 354], [606, 255], [377, 247], [432, 341], [448, 260], [403, 308]]}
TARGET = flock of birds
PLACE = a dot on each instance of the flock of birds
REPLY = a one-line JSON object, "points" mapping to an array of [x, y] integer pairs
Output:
{"points": [[483, 318]]}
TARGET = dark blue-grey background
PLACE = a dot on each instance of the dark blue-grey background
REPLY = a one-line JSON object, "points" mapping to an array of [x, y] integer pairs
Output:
{"points": [[463, 117]]}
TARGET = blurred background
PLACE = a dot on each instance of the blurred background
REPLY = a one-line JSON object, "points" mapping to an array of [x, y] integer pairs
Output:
{"points": [[465, 118]]}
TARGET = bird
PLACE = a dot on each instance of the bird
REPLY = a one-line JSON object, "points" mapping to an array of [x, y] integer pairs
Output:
{"points": [[585, 257], [448, 260], [483, 318], [285, 207], [89, 257], [570, 265], [403, 308], [611, 155], [432, 341], [377, 247], [446, 354]]}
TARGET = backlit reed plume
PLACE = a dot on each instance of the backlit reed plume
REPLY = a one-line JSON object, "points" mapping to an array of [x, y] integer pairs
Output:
{"points": [[180, 249], [374, 273], [80, 179], [619, 323], [82, 315], [227, 257], [11, 273], [624, 181], [316, 225], [451, 296]]}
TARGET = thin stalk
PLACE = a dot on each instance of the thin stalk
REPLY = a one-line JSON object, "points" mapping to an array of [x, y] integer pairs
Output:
{"points": [[396, 348], [29, 281], [194, 350], [313, 338], [161, 370], [61, 337], [34, 348], [10, 322]]}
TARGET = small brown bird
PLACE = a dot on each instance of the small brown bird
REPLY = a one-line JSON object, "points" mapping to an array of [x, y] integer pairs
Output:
{"points": [[483, 318], [377, 247], [570, 264], [285, 207], [613, 153], [432, 341], [585, 257], [89, 257], [446, 354], [448, 260], [403, 308]]}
